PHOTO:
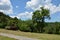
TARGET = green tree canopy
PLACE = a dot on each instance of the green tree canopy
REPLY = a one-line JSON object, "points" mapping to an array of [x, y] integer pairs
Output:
{"points": [[39, 17]]}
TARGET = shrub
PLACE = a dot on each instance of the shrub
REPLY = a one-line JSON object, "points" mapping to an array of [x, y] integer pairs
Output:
{"points": [[24, 27]]}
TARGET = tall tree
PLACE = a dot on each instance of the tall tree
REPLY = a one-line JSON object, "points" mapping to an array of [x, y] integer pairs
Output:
{"points": [[39, 17]]}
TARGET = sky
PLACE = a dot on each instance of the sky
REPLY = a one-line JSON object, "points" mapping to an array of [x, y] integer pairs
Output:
{"points": [[23, 9]]}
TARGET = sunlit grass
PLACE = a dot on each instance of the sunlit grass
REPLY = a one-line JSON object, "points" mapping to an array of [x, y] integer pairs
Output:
{"points": [[33, 35]]}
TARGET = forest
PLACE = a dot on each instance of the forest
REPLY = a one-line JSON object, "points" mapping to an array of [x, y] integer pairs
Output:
{"points": [[37, 24]]}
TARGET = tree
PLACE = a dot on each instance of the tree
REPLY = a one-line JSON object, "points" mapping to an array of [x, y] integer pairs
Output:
{"points": [[39, 17], [3, 20], [12, 24]]}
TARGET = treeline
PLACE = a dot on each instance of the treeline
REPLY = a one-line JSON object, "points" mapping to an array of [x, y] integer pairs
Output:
{"points": [[37, 24], [52, 28], [7, 22]]}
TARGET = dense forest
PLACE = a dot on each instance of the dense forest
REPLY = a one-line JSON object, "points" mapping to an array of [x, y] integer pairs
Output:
{"points": [[37, 24]]}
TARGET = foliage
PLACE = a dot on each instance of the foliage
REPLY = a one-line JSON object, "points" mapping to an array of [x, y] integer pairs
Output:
{"points": [[7, 22], [38, 18], [3, 20], [37, 24], [52, 28], [24, 25]]}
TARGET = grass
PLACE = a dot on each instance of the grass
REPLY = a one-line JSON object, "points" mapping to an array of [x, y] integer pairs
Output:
{"points": [[6, 38], [33, 35]]}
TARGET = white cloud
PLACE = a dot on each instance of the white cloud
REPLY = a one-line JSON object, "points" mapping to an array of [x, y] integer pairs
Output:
{"points": [[53, 8], [33, 4], [6, 7], [36, 4], [25, 15], [13, 16]]}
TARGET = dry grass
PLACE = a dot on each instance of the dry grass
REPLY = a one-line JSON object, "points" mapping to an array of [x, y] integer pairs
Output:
{"points": [[33, 35]]}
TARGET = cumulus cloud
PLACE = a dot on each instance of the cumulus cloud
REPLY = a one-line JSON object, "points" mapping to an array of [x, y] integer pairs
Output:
{"points": [[36, 4], [33, 4], [5, 6], [24, 15]]}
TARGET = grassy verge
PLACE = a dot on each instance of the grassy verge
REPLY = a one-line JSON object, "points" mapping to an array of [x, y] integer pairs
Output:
{"points": [[6, 38], [33, 35]]}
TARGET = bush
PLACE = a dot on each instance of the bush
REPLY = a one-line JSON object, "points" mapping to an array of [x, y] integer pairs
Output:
{"points": [[2, 25], [24, 27], [48, 30]]}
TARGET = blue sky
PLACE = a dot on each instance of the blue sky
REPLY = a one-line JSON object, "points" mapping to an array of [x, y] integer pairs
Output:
{"points": [[23, 9], [21, 5]]}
